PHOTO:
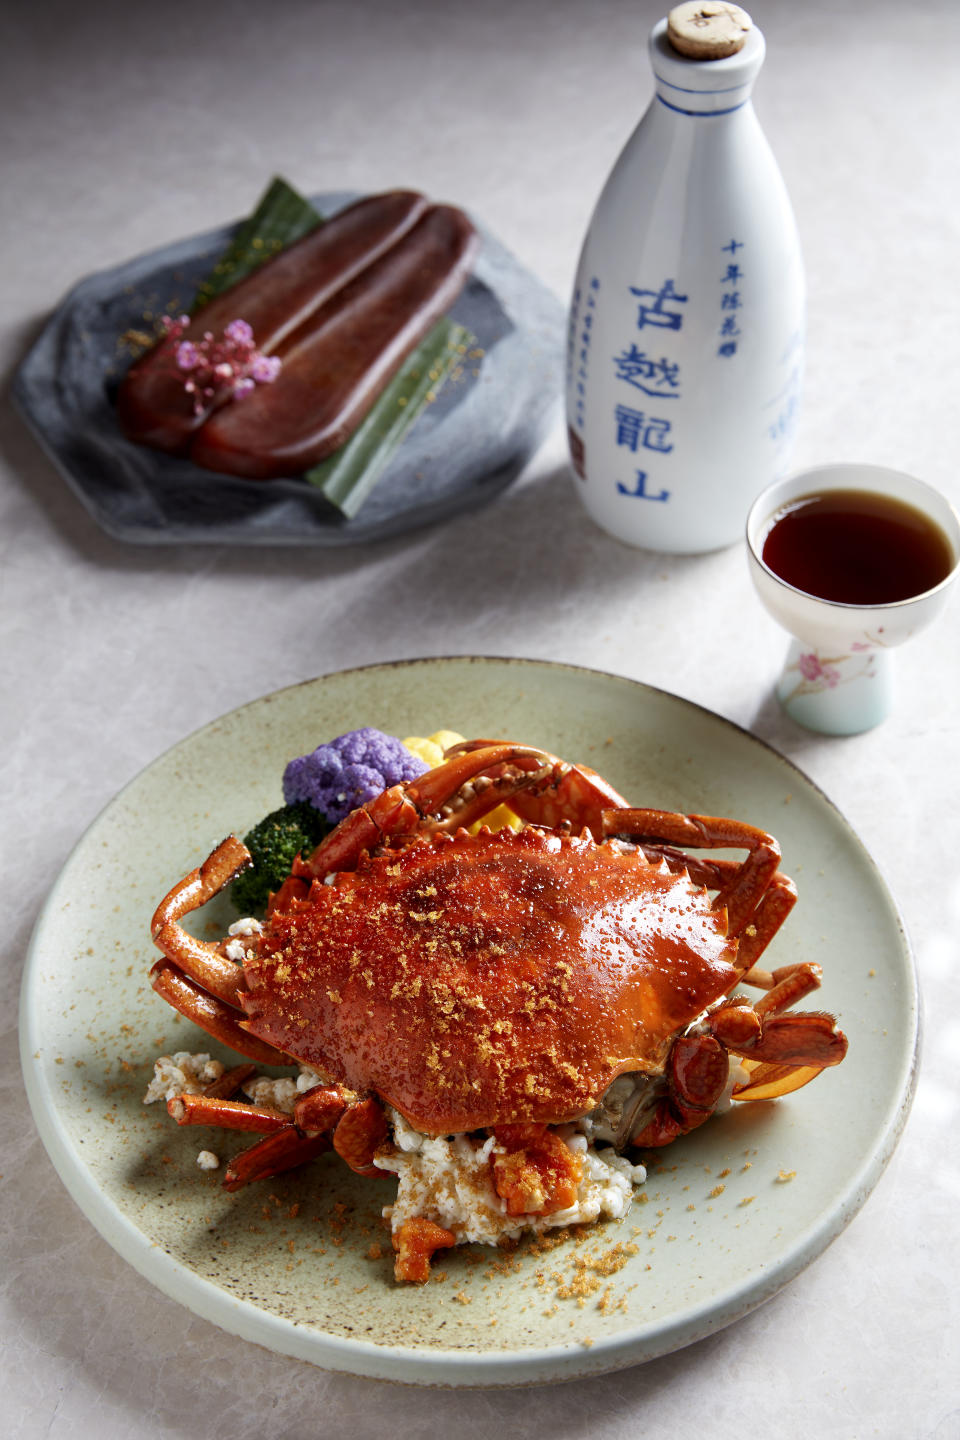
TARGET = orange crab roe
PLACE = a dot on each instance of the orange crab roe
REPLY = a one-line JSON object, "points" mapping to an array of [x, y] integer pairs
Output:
{"points": [[538, 1174]]}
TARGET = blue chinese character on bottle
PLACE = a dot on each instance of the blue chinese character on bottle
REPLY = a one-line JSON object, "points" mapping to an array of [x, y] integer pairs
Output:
{"points": [[701, 286], [636, 366], [635, 428], [655, 314], [639, 491]]}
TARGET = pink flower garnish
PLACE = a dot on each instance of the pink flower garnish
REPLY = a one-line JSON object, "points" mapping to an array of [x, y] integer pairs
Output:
{"points": [[265, 369], [188, 356], [225, 369], [240, 332]]}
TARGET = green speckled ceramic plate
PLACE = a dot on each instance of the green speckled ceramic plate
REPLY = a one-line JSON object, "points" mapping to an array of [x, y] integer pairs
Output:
{"points": [[302, 1264]]}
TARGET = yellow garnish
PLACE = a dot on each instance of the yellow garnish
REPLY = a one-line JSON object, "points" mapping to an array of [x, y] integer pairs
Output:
{"points": [[430, 750]]}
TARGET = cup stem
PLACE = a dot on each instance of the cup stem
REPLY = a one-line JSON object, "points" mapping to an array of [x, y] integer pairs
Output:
{"points": [[836, 694]]}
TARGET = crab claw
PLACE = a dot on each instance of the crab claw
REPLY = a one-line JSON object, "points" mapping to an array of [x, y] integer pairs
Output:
{"points": [[560, 794], [403, 809], [808, 1039], [790, 1049], [782, 1052]]}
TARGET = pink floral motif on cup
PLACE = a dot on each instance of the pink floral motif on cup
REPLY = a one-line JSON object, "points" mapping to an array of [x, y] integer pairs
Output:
{"points": [[825, 672], [811, 667]]}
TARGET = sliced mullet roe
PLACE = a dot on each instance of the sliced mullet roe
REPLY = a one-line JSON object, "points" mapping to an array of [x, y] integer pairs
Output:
{"points": [[275, 300], [338, 362]]}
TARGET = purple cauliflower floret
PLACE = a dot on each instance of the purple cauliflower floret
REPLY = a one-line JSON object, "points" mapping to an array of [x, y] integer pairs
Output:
{"points": [[349, 771]]}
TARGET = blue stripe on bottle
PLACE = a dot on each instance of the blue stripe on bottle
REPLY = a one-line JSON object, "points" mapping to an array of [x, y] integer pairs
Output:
{"points": [[704, 114]]}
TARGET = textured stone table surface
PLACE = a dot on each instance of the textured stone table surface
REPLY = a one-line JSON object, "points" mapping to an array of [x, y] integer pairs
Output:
{"points": [[129, 126]]}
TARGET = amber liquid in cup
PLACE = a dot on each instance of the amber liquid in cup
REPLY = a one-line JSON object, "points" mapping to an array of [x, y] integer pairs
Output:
{"points": [[857, 547]]}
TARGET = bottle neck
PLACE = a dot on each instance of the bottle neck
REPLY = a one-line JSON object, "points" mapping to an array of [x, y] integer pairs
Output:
{"points": [[704, 87]]}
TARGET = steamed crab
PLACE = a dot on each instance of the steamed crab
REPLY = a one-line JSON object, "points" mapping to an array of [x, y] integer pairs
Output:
{"points": [[506, 982]]}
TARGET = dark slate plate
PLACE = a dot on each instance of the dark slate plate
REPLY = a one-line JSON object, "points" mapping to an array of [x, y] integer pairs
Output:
{"points": [[460, 451]]}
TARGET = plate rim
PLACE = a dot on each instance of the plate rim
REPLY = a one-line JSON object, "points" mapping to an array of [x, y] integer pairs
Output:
{"points": [[432, 1365]]}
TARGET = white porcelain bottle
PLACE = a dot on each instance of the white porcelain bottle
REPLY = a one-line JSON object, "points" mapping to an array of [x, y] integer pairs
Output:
{"points": [[685, 349]]}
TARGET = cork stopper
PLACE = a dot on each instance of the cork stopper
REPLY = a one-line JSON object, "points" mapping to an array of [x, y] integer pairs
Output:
{"points": [[707, 29]]}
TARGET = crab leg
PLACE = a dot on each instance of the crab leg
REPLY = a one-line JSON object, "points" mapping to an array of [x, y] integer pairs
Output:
{"points": [[404, 809], [697, 1073], [791, 983], [477, 798], [769, 1082], [219, 1020], [320, 1107], [227, 1114], [355, 1129], [202, 984], [223, 865], [767, 918], [359, 1134], [285, 1150], [229, 1083], [218, 975], [768, 979]]}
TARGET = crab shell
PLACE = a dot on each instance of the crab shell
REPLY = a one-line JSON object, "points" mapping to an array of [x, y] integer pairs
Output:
{"points": [[475, 980]]}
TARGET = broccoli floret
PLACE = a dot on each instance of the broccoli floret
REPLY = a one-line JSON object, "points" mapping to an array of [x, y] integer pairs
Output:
{"points": [[349, 771], [274, 844]]}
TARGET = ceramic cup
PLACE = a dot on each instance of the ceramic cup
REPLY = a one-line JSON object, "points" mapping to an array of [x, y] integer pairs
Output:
{"points": [[838, 674]]}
